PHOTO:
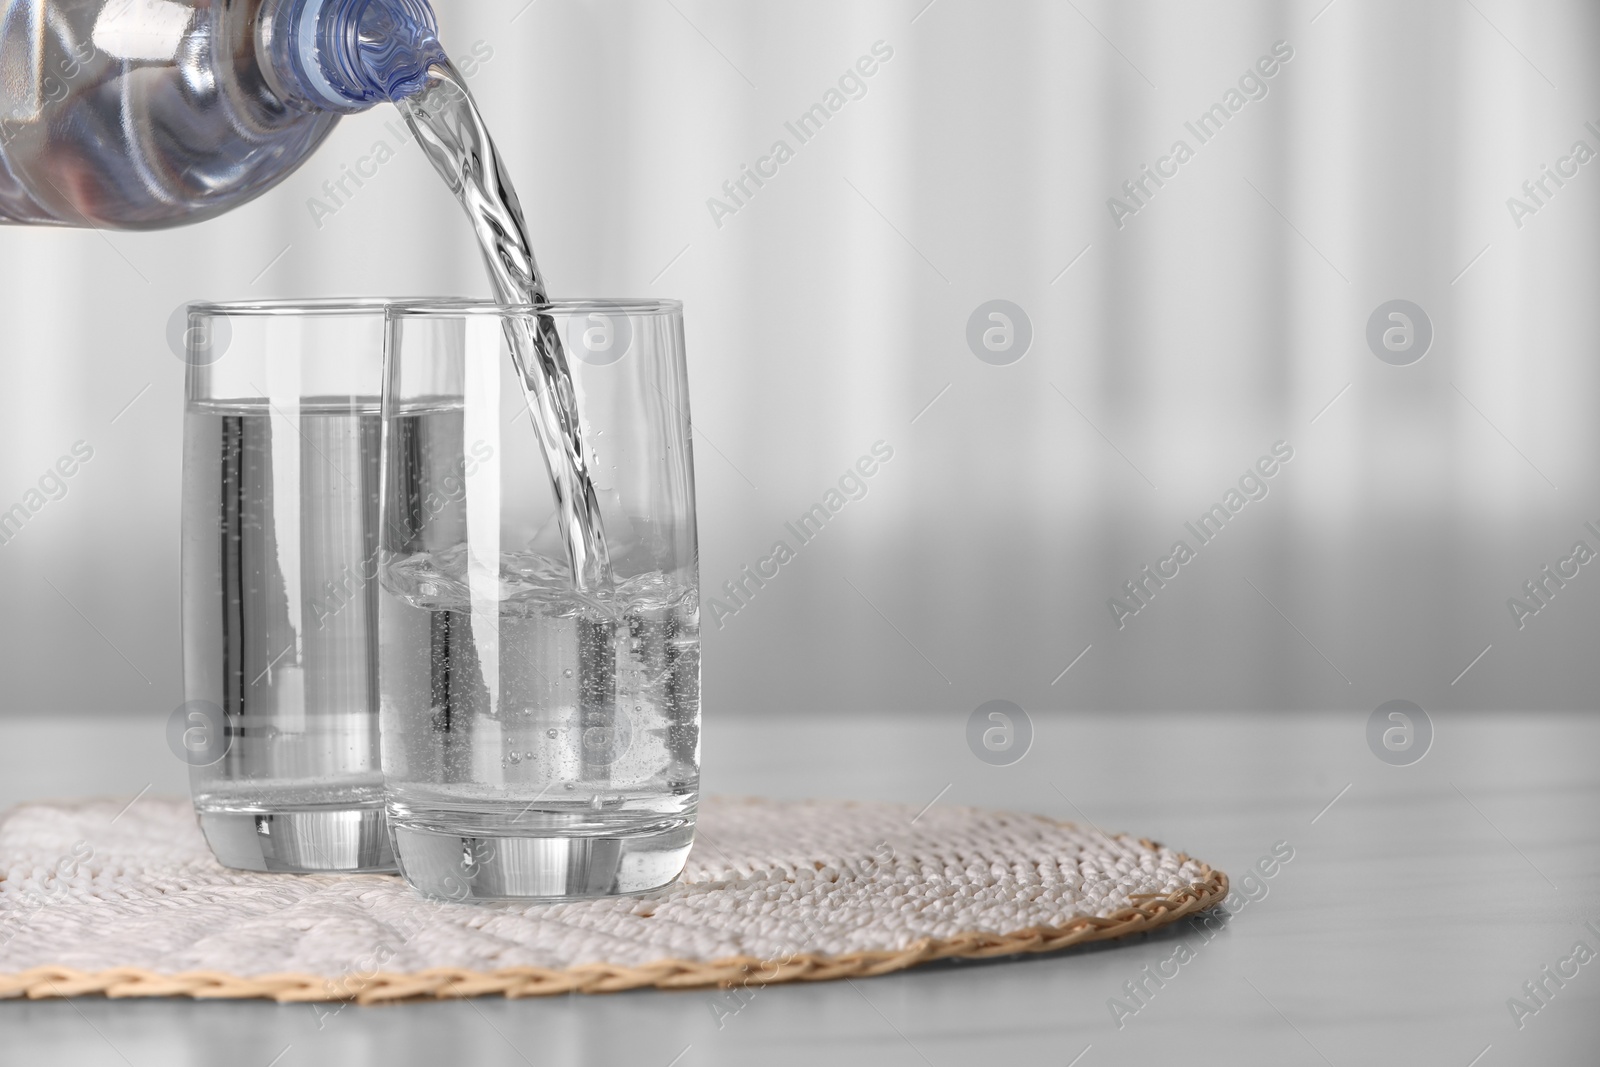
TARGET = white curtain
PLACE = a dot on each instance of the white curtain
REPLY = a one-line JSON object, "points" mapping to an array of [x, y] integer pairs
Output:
{"points": [[828, 311]]}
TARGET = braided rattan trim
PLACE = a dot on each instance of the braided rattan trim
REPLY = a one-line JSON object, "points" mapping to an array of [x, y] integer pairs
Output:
{"points": [[1146, 913]]}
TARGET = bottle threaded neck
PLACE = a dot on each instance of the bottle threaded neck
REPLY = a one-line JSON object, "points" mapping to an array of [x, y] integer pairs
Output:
{"points": [[348, 55]]}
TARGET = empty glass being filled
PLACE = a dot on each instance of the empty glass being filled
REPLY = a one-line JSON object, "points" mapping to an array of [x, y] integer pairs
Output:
{"points": [[540, 723], [280, 541]]}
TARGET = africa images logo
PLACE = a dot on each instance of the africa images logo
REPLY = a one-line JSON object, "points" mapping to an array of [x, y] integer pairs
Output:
{"points": [[1252, 85], [1253, 486]]}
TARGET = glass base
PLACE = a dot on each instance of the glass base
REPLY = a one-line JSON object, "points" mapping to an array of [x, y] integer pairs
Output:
{"points": [[465, 867], [311, 841]]}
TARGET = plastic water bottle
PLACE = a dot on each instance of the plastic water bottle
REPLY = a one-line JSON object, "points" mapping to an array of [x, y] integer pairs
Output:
{"points": [[143, 114]]}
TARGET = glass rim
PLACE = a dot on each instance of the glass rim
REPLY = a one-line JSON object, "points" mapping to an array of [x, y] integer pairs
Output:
{"points": [[566, 305], [426, 306], [332, 305]]}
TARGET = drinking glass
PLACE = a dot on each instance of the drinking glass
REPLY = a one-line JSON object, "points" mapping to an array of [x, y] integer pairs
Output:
{"points": [[540, 740], [280, 539]]}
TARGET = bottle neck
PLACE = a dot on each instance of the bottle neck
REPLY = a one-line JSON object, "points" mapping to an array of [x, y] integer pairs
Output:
{"points": [[347, 55]]}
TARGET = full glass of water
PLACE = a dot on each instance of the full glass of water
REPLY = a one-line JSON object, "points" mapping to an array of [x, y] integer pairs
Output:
{"points": [[540, 725], [280, 542]]}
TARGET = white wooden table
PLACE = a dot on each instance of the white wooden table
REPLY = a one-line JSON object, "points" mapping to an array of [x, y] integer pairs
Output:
{"points": [[1415, 906]]}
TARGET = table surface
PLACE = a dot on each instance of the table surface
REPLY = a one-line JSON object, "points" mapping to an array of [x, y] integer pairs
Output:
{"points": [[1419, 900]]}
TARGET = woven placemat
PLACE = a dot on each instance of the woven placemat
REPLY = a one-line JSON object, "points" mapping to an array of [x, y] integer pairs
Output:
{"points": [[130, 903]]}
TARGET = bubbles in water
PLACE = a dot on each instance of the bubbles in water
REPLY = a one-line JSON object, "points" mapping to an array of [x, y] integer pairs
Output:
{"points": [[551, 733], [567, 673]]}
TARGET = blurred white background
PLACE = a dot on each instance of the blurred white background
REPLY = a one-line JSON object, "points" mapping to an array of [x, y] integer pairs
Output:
{"points": [[831, 312]]}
